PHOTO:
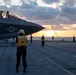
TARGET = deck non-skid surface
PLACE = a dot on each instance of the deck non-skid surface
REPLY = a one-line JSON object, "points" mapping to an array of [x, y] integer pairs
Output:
{"points": [[52, 59]]}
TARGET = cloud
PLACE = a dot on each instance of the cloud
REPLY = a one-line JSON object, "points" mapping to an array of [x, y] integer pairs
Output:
{"points": [[28, 4], [40, 13], [64, 14], [7, 2], [32, 11], [50, 1], [69, 2], [69, 10]]}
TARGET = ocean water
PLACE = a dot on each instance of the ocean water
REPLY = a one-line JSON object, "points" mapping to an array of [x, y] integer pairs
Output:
{"points": [[55, 38]]}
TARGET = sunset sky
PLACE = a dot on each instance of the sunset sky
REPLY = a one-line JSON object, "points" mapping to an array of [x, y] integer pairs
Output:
{"points": [[57, 16]]}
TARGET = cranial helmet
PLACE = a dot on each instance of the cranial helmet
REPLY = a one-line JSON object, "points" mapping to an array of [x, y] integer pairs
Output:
{"points": [[22, 31]]}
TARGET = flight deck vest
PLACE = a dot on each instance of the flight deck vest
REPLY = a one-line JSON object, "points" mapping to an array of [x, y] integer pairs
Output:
{"points": [[21, 41]]}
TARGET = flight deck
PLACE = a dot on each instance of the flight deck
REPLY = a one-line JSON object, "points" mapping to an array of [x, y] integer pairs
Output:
{"points": [[55, 58]]}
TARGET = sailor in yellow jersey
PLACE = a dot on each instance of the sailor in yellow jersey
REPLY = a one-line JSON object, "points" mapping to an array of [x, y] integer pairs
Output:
{"points": [[21, 43]]}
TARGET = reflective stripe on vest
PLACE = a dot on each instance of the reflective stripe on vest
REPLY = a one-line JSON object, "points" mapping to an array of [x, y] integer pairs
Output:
{"points": [[21, 41]]}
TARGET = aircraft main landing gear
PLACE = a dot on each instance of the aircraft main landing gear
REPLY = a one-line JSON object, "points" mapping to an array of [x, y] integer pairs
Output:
{"points": [[13, 43]]}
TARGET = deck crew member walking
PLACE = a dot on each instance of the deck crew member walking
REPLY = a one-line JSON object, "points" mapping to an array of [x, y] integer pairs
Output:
{"points": [[21, 50]]}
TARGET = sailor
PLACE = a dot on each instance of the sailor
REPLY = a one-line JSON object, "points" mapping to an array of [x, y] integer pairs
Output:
{"points": [[21, 42], [73, 38], [42, 40], [31, 38]]}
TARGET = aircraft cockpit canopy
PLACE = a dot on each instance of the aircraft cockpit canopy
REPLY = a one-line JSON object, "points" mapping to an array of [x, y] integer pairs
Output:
{"points": [[4, 14], [8, 15]]}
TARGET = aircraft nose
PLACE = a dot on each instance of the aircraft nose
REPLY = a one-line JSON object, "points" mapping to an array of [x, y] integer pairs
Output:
{"points": [[35, 28], [39, 27]]}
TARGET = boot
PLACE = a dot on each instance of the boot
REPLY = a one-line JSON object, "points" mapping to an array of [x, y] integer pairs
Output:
{"points": [[17, 70], [24, 70]]}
